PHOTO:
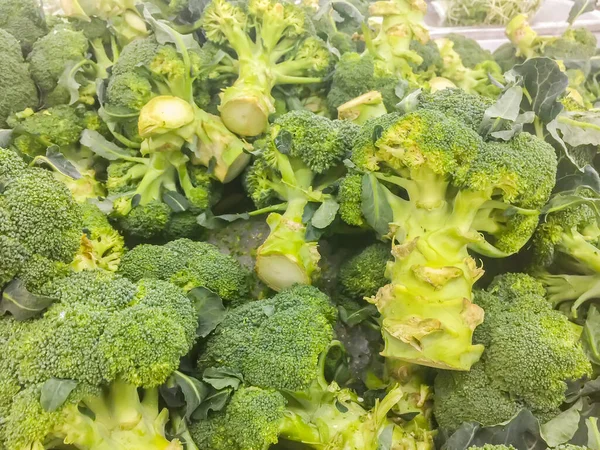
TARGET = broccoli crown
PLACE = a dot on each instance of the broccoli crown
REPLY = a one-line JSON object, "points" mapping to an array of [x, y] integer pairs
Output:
{"points": [[469, 50], [363, 274], [38, 217], [251, 420], [531, 352], [349, 199], [575, 43], [188, 264], [146, 221], [319, 142], [288, 333], [60, 125], [24, 19], [456, 103], [429, 52], [17, 89], [50, 55], [358, 74]]}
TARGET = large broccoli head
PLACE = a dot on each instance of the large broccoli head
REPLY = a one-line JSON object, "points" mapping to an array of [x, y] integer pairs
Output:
{"points": [[24, 19]]}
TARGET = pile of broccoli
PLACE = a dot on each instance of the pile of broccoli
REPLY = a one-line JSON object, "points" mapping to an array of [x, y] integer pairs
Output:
{"points": [[287, 225]]}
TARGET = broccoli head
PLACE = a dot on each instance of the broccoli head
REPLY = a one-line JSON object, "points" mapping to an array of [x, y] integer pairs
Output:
{"points": [[363, 274], [531, 352], [428, 164], [469, 50], [301, 156], [109, 337], [17, 89], [24, 19], [188, 264]]}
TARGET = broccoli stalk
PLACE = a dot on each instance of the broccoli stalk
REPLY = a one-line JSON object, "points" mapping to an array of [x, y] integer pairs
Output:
{"points": [[443, 190], [273, 46], [362, 108]]}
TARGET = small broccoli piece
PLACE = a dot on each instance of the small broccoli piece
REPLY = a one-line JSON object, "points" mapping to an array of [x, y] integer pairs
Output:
{"points": [[356, 75], [290, 333], [101, 245], [315, 149], [264, 28], [110, 336], [531, 352], [469, 50], [506, 56], [462, 106], [24, 19], [430, 54], [38, 218], [17, 89], [363, 274], [188, 264], [432, 165]]}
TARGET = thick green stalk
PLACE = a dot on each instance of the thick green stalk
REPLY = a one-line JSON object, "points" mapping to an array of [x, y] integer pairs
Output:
{"points": [[428, 317]]}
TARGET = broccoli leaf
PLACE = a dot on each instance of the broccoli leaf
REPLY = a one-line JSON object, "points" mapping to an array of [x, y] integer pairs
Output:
{"points": [[325, 214], [563, 427], [222, 377], [104, 148], [591, 337], [56, 160], [21, 303], [55, 393], [580, 7], [210, 309], [375, 207]]}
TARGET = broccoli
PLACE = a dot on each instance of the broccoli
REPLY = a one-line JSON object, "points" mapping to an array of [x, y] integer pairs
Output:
{"points": [[273, 45], [430, 54], [363, 274], [189, 265], [102, 246], [61, 127], [473, 80], [17, 89], [301, 156], [469, 50], [117, 342], [442, 190], [566, 258], [291, 334], [506, 57], [363, 108], [356, 75], [24, 19], [531, 352], [40, 223]]}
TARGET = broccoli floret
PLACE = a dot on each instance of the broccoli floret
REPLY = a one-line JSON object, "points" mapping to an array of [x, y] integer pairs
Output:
{"points": [[117, 340], [432, 165], [356, 75], [458, 104], [290, 334], [24, 19], [531, 352], [363, 274], [17, 89], [39, 218], [260, 36], [301, 150], [430, 54], [469, 50], [188, 264], [101, 245]]}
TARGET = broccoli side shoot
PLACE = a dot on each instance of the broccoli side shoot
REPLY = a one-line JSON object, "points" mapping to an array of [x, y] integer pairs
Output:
{"points": [[117, 342], [273, 45], [301, 157], [531, 352], [188, 264], [444, 190], [291, 334], [17, 89], [24, 19], [363, 274]]}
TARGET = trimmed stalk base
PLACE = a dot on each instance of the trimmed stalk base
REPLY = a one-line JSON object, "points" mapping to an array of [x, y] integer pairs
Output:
{"points": [[279, 272], [245, 116]]}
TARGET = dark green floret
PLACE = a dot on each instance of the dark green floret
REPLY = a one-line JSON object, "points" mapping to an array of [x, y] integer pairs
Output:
{"points": [[24, 19], [363, 274]]}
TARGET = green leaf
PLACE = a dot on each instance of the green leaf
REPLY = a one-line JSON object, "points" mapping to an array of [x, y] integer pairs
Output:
{"points": [[104, 148], [325, 214], [57, 162], [591, 335], [508, 106], [216, 401], [545, 83], [375, 207], [283, 142], [593, 441], [563, 427], [377, 132], [580, 7], [209, 309], [222, 377], [68, 82], [176, 201], [21, 303], [194, 392], [358, 316], [212, 222], [164, 34], [5, 138], [313, 234], [410, 102], [385, 438], [55, 393]]}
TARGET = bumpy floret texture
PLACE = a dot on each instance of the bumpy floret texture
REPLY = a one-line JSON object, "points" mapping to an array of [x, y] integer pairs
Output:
{"points": [[363, 274], [23, 19], [188, 264], [531, 352], [287, 333]]}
